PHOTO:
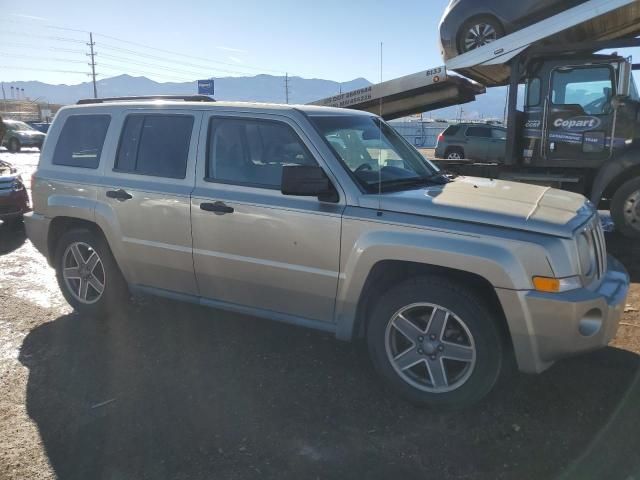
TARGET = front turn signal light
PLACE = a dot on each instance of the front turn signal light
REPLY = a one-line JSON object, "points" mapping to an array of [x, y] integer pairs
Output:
{"points": [[556, 285]]}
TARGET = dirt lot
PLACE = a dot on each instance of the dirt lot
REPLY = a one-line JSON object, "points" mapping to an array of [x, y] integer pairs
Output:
{"points": [[174, 391]]}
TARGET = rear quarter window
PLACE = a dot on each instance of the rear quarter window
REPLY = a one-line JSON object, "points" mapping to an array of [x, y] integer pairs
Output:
{"points": [[451, 131], [81, 140]]}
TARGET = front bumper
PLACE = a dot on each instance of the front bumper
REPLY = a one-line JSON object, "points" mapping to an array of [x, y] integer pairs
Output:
{"points": [[31, 140], [37, 227], [546, 327]]}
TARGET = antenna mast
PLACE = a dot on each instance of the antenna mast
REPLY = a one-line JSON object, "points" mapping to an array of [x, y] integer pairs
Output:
{"points": [[380, 145]]}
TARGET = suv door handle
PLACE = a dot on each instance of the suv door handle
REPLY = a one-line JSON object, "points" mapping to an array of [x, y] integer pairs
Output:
{"points": [[219, 208], [121, 195]]}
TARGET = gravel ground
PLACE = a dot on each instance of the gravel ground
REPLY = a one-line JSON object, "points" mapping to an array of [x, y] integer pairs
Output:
{"points": [[174, 391]]}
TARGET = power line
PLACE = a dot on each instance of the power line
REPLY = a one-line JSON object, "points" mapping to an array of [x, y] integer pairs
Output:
{"points": [[46, 37], [247, 67], [40, 47], [118, 68], [42, 69], [164, 59], [154, 66], [48, 59], [144, 46]]}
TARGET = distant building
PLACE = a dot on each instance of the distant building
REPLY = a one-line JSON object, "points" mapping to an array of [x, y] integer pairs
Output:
{"points": [[27, 110]]}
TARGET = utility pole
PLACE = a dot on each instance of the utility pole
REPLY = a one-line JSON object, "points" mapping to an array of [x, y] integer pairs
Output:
{"points": [[286, 86], [93, 54]]}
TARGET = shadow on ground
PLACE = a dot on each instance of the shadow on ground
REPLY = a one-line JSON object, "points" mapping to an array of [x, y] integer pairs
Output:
{"points": [[627, 250], [12, 237], [173, 391]]}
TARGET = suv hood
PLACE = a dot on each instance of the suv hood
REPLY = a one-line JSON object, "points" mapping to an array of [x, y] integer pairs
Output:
{"points": [[493, 202], [29, 133]]}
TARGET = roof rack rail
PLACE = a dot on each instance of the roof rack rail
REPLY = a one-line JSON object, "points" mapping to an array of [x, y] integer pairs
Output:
{"points": [[186, 98]]}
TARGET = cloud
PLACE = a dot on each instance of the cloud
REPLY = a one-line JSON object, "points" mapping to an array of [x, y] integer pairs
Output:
{"points": [[235, 59], [30, 17], [231, 49]]}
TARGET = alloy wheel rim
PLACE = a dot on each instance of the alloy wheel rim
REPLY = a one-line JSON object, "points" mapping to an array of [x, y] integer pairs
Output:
{"points": [[479, 35], [632, 210], [430, 347], [454, 156], [83, 272]]}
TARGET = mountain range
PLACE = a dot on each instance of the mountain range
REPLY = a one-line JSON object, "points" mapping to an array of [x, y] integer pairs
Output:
{"points": [[259, 88]]}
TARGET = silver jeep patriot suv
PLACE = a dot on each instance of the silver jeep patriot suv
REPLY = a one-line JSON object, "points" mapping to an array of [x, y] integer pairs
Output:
{"points": [[323, 218]]}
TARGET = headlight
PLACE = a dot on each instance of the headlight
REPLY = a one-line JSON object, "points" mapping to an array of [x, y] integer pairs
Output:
{"points": [[586, 254], [17, 185]]}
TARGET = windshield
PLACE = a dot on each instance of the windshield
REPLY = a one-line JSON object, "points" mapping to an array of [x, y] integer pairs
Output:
{"points": [[374, 152]]}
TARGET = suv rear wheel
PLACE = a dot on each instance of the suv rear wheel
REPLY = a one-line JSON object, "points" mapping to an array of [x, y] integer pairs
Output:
{"points": [[435, 343], [88, 275], [454, 154]]}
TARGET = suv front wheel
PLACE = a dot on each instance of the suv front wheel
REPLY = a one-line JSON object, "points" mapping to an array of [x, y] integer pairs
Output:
{"points": [[14, 145], [435, 343], [88, 275]]}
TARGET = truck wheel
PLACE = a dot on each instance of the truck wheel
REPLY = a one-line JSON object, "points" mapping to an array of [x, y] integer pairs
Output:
{"points": [[88, 275], [435, 343], [454, 154], [14, 145], [478, 32], [625, 208]]}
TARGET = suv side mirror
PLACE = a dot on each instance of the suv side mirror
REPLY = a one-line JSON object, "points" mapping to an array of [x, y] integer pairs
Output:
{"points": [[307, 181]]}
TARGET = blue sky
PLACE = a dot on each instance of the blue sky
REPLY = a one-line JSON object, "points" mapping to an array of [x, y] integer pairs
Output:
{"points": [[333, 39]]}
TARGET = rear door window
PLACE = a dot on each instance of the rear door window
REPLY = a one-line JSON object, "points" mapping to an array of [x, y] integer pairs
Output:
{"points": [[156, 145], [81, 141]]}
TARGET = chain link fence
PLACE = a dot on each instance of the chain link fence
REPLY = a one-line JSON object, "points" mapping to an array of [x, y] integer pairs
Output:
{"points": [[420, 134]]}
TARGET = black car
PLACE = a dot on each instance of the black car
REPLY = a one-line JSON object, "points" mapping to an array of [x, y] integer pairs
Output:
{"points": [[469, 24]]}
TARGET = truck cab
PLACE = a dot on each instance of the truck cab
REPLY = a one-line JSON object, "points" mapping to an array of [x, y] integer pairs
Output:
{"points": [[578, 113], [577, 129]]}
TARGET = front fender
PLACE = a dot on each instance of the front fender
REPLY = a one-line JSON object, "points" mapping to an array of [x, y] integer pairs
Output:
{"points": [[503, 264], [611, 171]]}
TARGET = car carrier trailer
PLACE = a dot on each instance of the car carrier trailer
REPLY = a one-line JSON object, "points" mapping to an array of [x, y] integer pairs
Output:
{"points": [[580, 125]]}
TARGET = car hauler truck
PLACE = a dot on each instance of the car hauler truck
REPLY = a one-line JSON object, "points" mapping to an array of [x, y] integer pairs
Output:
{"points": [[579, 128]]}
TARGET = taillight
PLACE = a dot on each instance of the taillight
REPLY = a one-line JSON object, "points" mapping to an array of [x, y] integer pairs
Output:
{"points": [[441, 137]]}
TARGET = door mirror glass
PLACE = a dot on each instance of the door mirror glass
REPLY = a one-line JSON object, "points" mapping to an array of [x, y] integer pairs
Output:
{"points": [[625, 78], [307, 181]]}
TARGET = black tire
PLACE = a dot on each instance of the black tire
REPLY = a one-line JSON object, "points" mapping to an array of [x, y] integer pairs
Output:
{"points": [[115, 294], [14, 145], [625, 208], [469, 307], [452, 151], [469, 25]]}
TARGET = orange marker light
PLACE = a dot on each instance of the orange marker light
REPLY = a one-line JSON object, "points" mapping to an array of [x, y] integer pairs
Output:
{"points": [[546, 284]]}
